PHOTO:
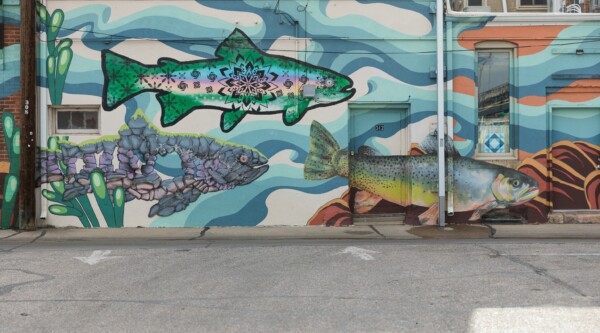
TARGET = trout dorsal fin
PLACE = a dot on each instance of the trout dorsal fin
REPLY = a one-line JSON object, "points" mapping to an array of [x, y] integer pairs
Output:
{"points": [[237, 42], [430, 145], [369, 151]]}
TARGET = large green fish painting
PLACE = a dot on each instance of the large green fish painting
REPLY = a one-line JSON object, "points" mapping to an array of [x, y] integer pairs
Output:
{"points": [[241, 80], [478, 186]]}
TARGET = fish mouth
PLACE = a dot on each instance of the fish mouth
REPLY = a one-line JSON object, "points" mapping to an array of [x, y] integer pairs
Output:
{"points": [[530, 194], [349, 89], [254, 174], [343, 94]]}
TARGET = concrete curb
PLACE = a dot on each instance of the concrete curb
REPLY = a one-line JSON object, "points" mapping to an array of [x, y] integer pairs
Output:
{"points": [[382, 232], [548, 231], [214, 233]]}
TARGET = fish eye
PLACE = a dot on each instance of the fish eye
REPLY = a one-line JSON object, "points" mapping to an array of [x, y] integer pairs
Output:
{"points": [[243, 159], [515, 183], [329, 83]]}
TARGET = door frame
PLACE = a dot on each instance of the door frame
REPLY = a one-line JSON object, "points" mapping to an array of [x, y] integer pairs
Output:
{"points": [[404, 108]]}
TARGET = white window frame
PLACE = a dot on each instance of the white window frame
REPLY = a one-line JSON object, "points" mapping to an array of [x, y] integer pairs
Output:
{"points": [[53, 117], [498, 46]]}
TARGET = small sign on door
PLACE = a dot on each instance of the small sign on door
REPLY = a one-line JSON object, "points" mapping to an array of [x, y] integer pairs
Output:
{"points": [[379, 128]]}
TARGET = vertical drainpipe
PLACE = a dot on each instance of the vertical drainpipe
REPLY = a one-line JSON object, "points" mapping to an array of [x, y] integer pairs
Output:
{"points": [[439, 30], [450, 115]]}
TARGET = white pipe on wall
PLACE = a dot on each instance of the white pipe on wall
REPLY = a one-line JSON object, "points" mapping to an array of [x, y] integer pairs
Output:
{"points": [[448, 28], [439, 25]]}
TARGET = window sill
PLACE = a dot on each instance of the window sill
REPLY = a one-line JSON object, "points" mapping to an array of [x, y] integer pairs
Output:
{"points": [[495, 157]]}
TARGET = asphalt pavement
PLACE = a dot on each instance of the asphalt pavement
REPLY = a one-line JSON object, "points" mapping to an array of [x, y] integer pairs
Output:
{"points": [[520, 278]]}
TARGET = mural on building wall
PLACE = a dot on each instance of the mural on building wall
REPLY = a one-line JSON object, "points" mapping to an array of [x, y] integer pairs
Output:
{"points": [[574, 180], [552, 75], [59, 55], [388, 58], [10, 55], [241, 80], [207, 165], [326, 39], [478, 187], [12, 137]]}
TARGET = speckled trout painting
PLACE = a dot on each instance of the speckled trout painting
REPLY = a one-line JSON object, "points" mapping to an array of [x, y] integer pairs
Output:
{"points": [[478, 186], [241, 79]]}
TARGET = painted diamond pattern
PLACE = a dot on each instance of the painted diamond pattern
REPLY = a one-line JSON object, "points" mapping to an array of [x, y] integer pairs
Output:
{"points": [[494, 143]]}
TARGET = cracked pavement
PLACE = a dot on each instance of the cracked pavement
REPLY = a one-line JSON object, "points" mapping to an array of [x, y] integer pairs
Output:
{"points": [[199, 285]]}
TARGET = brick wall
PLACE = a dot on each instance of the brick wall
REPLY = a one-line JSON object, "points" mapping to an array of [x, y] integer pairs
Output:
{"points": [[10, 103], [11, 35]]}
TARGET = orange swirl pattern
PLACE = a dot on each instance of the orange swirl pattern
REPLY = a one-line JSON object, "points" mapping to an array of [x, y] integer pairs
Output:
{"points": [[567, 174]]}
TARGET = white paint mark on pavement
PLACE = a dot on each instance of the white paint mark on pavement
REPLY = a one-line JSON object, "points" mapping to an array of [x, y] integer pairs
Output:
{"points": [[359, 252], [535, 320], [96, 257], [551, 254]]}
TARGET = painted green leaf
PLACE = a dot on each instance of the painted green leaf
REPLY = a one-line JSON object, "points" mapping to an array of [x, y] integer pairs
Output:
{"points": [[56, 20], [102, 198], [51, 77], [59, 187], [119, 199], [55, 197], [98, 185], [10, 188], [52, 143], [63, 210], [11, 184], [42, 13], [51, 65], [16, 145], [50, 195], [65, 43], [64, 60], [8, 124]]}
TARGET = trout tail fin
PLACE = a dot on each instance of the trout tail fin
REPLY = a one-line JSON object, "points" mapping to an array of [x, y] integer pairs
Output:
{"points": [[319, 163], [120, 79]]}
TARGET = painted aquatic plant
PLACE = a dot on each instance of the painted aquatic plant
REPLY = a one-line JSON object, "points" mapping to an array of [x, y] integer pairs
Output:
{"points": [[113, 209], [12, 137], [59, 54], [80, 206]]}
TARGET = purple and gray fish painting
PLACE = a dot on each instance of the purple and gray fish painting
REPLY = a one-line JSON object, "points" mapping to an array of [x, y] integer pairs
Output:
{"points": [[128, 160]]}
